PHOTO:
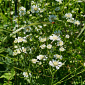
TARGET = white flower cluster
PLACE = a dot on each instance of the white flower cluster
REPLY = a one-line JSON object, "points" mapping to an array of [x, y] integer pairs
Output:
{"points": [[69, 18], [20, 39], [22, 11], [19, 50], [60, 43], [39, 57], [55, 61], [49, 46]]}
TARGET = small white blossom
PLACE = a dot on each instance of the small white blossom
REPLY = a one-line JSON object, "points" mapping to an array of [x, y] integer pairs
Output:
{"points": [[34, 60], [41, 57], [60, 43], [58, 56], [76, 22], [60, 1], [43, 46], [24, 50], [68, 15], [35, 9], [61, 49], [18, 51], [42, 39], [54, 37], [49, 46], [25, 74], [67, 36]]}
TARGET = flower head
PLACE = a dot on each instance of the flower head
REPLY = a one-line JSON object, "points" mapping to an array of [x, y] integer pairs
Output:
{"points": [[58, 56], [41, 57], [25, 74], [55, 63], [60, 43], [35, 9], [34, 60], [43, 46], [49, 46], [76, 22], [68, 15], [54, 37], [61, 49]]}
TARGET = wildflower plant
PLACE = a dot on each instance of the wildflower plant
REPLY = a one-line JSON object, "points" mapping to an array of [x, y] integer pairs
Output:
{"points": [[40, 42]]}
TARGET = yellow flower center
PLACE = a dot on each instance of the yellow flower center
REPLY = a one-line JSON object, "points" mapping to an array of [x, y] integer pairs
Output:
{"points": [[55, 37], [35, 8], [42, 57], [55, 63]]}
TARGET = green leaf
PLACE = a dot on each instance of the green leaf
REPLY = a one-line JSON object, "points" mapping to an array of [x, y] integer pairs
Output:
{"points": [[8, 75]]}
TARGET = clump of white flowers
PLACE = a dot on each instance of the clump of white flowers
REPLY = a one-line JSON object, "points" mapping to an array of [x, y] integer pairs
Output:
{"points": [[22, 11], [69, 18], [20, 39]]}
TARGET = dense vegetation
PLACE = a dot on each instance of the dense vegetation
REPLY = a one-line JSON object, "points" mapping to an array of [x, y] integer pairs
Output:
{"points": [[42, 42]]}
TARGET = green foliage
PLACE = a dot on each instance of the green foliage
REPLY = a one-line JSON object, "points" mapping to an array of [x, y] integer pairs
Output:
{"points": [[26, 58]]}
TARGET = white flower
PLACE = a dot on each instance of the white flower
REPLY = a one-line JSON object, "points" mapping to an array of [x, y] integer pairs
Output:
{"points": [[18, 51], [58, 56], [16, 40], [42, 39], [61, 49], [22, 11], [54, 37], [71, 20], [49, 46], [25, 74], [67, 36], [41, 57], [68, 15], [60, 1], [84, 64], [24, 50], [15, 46], [60, 43], [35, 9], [84, 41], [20, 39], [15, 53], [43, 46], [55, 63], [39, 26], [34, 60], [76, 22]]}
